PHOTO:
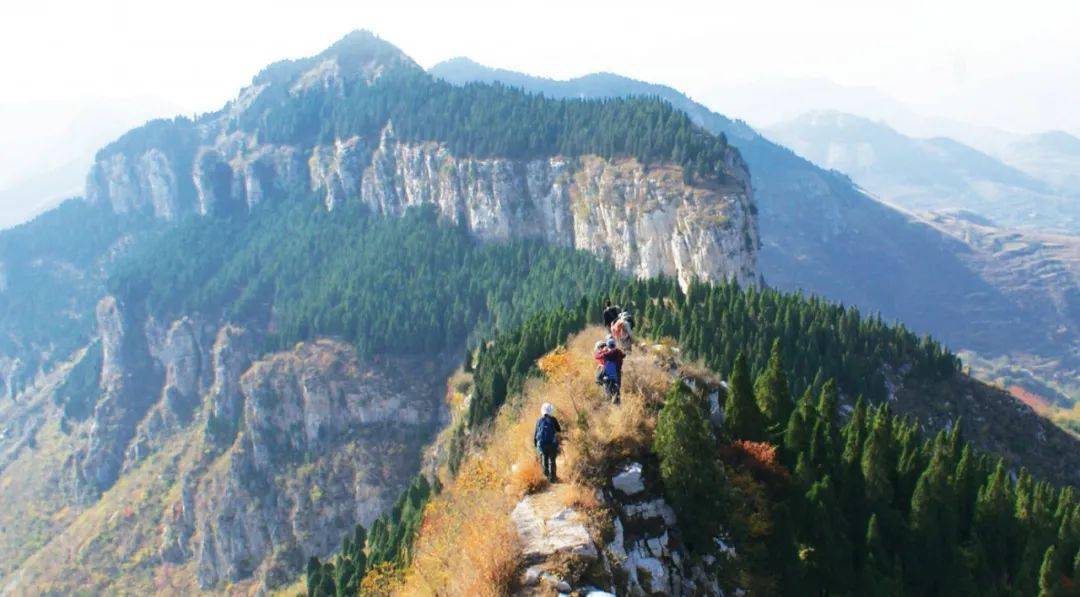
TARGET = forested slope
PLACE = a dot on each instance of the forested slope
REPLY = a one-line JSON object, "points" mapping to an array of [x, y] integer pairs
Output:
{"points": [[773, 494]]}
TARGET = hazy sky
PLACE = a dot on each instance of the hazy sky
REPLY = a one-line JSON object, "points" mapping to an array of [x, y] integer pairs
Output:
{"points": [[1002, 63]]}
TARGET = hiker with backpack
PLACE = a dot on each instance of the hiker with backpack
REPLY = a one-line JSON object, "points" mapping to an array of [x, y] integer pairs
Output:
{"points": [[610, 375], [546, 438], [598, 356]]}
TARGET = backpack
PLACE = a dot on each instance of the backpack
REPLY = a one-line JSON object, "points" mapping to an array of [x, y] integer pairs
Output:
{"points": [[545, 432], [611, 370]]}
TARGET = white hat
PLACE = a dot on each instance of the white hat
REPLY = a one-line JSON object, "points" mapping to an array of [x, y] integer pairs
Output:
{"points": [[600, 345], [546, 409]]}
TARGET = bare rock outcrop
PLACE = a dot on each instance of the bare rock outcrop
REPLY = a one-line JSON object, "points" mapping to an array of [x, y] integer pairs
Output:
{"points": [[128, 381], [232, 354], [325, 441], [640, 555]]}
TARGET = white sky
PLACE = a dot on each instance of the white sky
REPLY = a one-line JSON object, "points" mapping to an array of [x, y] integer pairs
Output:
{"points": [[1013, 65]]}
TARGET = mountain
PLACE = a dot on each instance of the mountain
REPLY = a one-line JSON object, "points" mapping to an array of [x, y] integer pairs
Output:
{"points": [[928, 174], [275, 324], [681, 489], [823, 234], [237, 342], [1053, 156]]}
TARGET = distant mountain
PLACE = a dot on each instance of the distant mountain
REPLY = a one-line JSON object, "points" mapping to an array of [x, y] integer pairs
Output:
{"points": [[1053, 156], [823, 234], [936, 173]]}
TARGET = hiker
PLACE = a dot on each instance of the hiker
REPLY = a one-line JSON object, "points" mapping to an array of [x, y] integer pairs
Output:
{"points": [[546, 438], [622, 330], [611, 313], [598, 356], [610, 375]]}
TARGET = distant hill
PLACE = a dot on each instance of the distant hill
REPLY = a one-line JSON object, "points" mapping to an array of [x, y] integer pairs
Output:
{"points": [[940, 173]]}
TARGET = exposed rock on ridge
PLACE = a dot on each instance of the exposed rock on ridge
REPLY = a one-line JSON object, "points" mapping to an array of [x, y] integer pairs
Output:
{"points": [[646, 219]]}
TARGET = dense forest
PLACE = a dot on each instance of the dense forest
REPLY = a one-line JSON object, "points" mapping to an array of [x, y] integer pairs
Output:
{"points": [[862, 505], [488, 121], [388, 285], [853, 501]]}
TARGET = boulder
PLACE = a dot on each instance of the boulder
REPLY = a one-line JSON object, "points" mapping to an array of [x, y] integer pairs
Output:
{"points": [[629, 481], [546, 528]]}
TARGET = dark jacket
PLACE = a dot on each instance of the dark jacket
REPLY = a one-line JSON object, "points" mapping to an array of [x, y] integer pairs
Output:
{"points": [[536, 432], [610, 315]]}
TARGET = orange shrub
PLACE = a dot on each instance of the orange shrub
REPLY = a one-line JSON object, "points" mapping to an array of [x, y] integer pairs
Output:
{"points": [[526, 477], [759, 458]]}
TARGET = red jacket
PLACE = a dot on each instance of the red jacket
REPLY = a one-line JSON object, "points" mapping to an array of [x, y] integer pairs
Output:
{"points": [[615, 355]]}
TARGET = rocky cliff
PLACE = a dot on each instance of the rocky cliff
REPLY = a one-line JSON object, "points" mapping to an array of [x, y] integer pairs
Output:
{"points": [[647, 218], [224, 469]]}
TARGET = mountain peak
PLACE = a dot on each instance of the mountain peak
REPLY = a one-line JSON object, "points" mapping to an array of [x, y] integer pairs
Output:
{"points": [[362, 44], [359, 53]]}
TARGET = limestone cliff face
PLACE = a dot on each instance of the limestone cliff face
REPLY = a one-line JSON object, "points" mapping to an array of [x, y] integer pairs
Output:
{"points": [[325, 441], [646, 220], [143, 183], [232, 354], [127, 378]]}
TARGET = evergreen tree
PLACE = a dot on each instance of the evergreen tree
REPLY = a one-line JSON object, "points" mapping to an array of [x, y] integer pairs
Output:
{"points": [[1048, 576], [877, 460], [933, 521], [771, 390], [994, 527], [693, 480], [742, 418], [797, 433], [828, 560]]}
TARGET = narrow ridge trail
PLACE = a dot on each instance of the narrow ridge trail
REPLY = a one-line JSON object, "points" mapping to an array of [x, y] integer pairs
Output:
{"points": [[604, 528]]}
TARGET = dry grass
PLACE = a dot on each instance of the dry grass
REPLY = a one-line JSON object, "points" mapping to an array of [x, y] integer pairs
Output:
{"points": [[580, 498], [526, 477], [467, 544]]}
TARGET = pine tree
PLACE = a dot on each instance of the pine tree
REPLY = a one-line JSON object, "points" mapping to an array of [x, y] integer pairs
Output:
{"points": [[693, 480], [877, 459], [994, 527], [874, 574], [771, 390], [967, 490], [828, 566], [742, 418], [933, 522], [1048, 576]]}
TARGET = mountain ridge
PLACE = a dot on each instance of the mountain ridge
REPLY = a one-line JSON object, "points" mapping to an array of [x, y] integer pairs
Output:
{"points": [[824, 235]]}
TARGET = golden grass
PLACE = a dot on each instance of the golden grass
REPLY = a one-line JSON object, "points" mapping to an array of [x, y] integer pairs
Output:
{"points": [[467, 544], [526, 477], [580, 498]]}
